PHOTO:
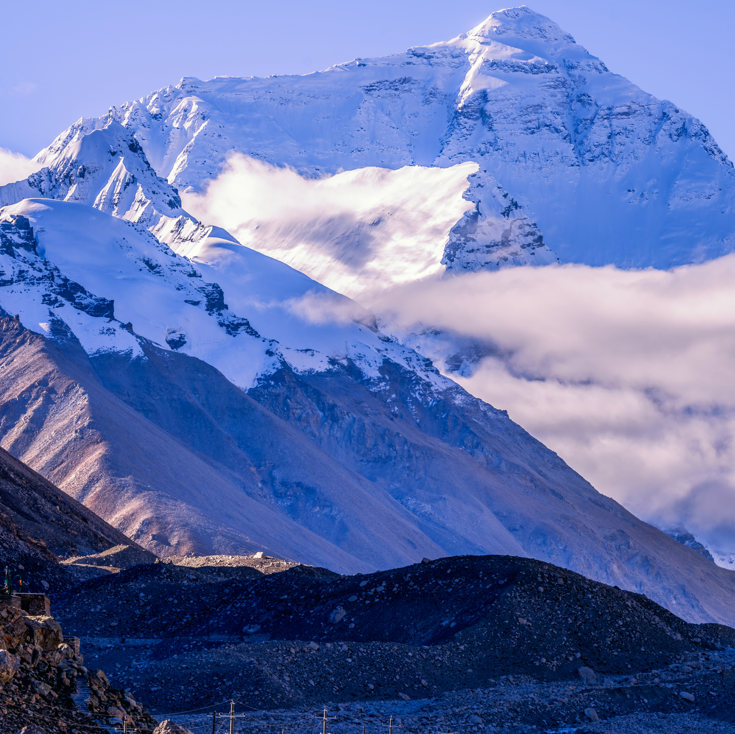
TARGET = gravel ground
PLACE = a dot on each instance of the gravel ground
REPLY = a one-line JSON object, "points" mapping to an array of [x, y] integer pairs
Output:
{"points": [[644, 703], [452, 713]]}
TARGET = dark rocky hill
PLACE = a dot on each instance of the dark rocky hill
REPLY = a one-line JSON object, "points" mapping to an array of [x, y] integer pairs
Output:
{"points": [[303, 634], [44, 682], [40, 524]]}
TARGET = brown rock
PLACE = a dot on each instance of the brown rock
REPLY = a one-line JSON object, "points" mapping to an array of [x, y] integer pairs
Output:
{"points": [[9, 665], [115, 712], [46, 632], [13, 628], [101, 675], [43, 689]]}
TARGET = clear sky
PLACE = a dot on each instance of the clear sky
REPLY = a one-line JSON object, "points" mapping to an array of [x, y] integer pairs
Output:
{"points": [[61, 61]]}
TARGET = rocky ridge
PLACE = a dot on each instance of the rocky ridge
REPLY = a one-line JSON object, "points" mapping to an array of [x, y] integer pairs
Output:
{"points": [[39, 524]]}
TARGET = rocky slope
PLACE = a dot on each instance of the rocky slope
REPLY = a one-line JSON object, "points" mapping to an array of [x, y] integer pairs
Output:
{"points": [[39, 524], [44, 682], [455, 624], [328, 443]]}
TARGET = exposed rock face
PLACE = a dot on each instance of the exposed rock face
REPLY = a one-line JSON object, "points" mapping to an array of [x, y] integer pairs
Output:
{"points": [[43, 679], [416, 462], [683, 536], [108, 170]]}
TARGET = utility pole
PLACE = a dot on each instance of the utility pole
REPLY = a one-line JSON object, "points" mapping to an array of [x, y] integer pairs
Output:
{"points": [[324, 722], [390, 726], [232, 717], [125, 725], [214, 721]]}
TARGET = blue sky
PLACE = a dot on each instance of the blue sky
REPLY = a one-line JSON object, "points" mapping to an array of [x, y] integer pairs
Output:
{"points": [[61, 61]]}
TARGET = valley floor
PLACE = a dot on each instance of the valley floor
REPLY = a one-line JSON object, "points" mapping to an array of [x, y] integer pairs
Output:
{"points": [[645, 703], [504, 709]]}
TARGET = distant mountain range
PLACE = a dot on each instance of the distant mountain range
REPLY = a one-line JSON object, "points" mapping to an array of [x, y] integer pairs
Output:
{"points": [[203, 397]]}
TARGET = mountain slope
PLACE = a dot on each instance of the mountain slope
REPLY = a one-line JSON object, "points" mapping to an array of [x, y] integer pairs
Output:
{"points": [[571, 156], [39, 524], [348, 450], [203, 397], [156, 489]]}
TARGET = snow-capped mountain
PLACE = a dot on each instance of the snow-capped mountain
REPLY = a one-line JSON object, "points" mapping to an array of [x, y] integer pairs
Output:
{"points": [[125, 379], [204, 397], [109, 171], [570, 156]]}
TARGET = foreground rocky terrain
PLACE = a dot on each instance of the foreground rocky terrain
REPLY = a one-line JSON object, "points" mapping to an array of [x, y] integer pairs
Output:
{"points": [[44, 682], [445, 628], [513, 704]]}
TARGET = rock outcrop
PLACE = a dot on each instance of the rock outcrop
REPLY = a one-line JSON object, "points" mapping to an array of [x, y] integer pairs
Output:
{"points": [[44, 683]]}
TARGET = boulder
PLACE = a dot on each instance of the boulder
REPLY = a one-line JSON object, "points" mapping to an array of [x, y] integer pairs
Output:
{"points": [[9, 665], [64, 652], [115, 713], [32, 729], [45, 631], [591, 715], [41, 688], [13, 628], [337, 615], [587, 674], [101, 675]]}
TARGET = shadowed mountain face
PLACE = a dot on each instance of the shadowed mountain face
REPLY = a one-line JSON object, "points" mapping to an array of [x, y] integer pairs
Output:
{"points": [[44, 513]]}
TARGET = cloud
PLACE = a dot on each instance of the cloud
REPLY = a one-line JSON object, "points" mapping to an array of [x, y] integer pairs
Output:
{"points": [[330, 308], [356, 231], [15, 167], [628, 375]]}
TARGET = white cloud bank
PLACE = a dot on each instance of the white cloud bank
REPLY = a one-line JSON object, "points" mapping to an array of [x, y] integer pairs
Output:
{"points": [[355, 232], [628, 375], [15, 167]]}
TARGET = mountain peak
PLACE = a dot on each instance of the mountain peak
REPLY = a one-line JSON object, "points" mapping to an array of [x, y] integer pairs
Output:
{"points": [[521, 23]]}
